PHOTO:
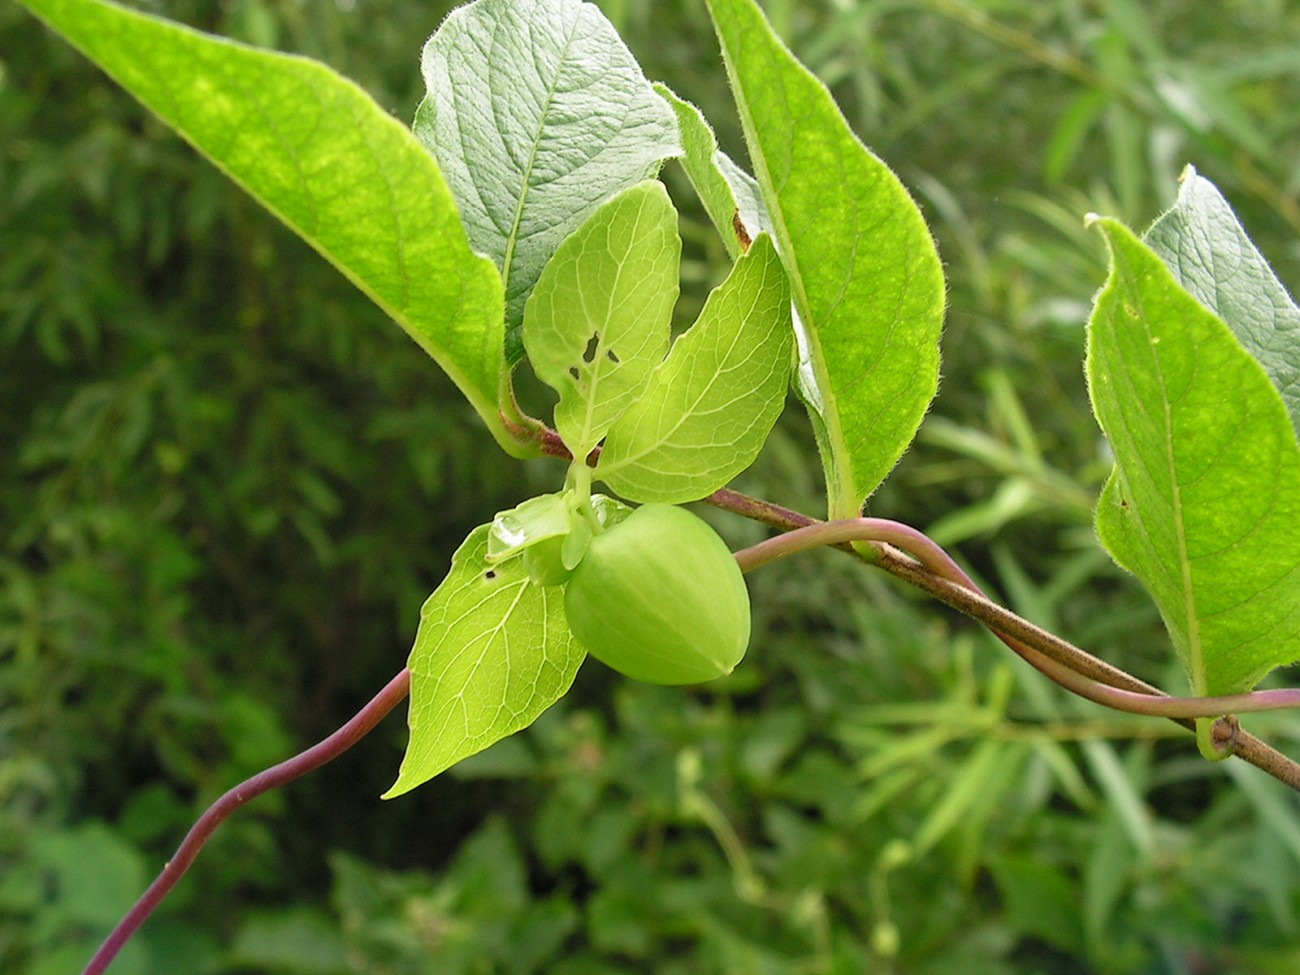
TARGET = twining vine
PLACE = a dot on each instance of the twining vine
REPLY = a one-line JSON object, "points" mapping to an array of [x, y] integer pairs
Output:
{"points": [[832, 265], [900, 550]]}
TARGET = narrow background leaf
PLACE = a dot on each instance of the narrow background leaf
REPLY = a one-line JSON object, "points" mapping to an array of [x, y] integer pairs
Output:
{"points": [[724, 188], [537, 112], [316, 151], [1210, 255], [711, 404], [866, 279], [1205, 497], [599, 321], [492, 653]]}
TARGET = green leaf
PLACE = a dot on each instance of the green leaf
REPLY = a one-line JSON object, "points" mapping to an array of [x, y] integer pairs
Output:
{"points": [[866, 279], [543, 517], [600, 318], [492, 653], [1210, 255], [526, 524], [1205, 497], [537, 112], [727, 191], [711, 404], [317, 152]]}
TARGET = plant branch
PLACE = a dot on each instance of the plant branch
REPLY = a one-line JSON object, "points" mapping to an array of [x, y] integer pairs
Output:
{"points": [[926, 566], [1229, 738], [308, 761], [896, 548], [1061, 663]]}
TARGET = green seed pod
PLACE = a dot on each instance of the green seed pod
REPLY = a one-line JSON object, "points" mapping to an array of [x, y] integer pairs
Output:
{"points": [[659, 597]]}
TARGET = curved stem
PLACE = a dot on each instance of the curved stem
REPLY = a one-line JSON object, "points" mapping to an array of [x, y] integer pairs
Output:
{"points": [[934, 558], [924, 564], [1229, 737], [929, 567], [310, 760]]}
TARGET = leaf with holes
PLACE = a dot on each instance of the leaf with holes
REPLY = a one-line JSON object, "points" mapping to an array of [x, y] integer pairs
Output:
{"points": [[492, 653], [537, 112], [1205, 495], [711, 404], [599, 321], [1210, 255]]}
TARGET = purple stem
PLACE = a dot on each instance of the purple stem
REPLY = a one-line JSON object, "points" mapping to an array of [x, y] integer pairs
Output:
{"points": [[310, 760], [934, 558], [937, 573]]}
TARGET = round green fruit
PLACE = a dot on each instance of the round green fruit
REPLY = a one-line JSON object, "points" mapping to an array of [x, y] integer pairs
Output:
{"points": [[659, 597]]}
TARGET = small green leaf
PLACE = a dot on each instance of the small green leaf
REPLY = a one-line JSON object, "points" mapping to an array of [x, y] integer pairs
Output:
{"points": [[316, 151], [1210, 255], [537, 112], [866, 279], [600, 318], [1205, 497], [727, 191], [526, 524], [711, 404], [492, 653]]}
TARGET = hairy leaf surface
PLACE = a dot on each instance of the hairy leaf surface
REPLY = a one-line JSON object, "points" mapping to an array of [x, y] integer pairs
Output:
{"points": [[600, 318], [727, 191], [866, 279], [321, 155], [492, 653], [1205, 497], [711, 404], [1210, 255], [537, 112]]}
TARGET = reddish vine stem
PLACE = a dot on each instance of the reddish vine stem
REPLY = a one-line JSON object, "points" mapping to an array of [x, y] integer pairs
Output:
{"points": [[310, 760], [899, 550], [1018, 633], [1078, 671], [880, 531], [1229, 737]]}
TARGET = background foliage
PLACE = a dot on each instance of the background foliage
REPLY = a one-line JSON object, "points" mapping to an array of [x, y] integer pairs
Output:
{"points": [[229, 483]]}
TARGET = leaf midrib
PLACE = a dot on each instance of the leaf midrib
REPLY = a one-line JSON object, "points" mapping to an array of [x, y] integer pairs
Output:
{"points": [[512, 237], [1195, 655], [829, 415]]}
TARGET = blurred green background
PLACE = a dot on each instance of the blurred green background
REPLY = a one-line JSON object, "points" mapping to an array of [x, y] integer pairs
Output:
{"points": [[227, 483]]}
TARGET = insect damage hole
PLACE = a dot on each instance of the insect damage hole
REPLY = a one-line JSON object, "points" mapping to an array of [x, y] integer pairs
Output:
{"points": [[593, 346]]}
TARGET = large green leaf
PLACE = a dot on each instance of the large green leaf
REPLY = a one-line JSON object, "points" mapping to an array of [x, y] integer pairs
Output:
{"points": [[322, 156], [866, 279], [492, 653], [1204, 500], [600, 318], [1210, 255], [711, 404], [537, 112]]}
